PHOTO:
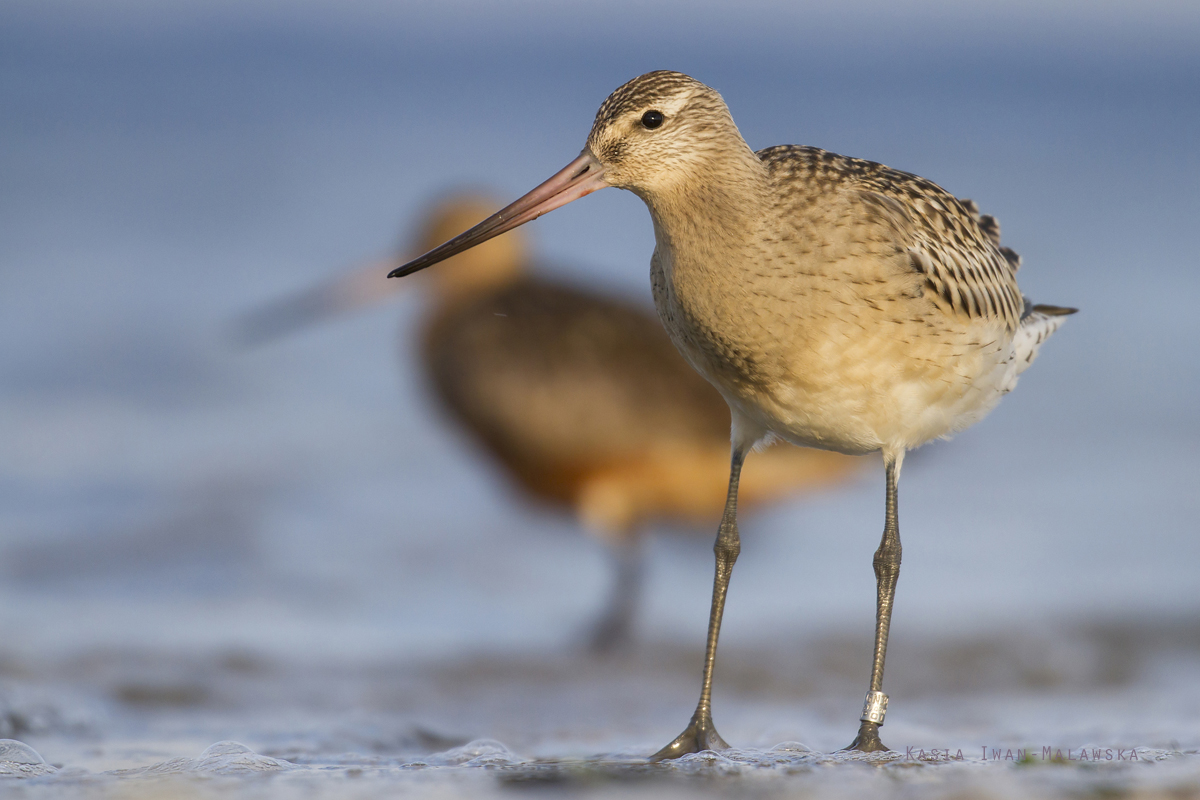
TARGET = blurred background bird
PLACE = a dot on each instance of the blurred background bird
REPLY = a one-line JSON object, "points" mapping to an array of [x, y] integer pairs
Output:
{"points": [[580, 397]]}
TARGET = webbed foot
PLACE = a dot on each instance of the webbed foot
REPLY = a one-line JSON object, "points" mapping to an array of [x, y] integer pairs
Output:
{"points": [[867, 740], [700, 735]]}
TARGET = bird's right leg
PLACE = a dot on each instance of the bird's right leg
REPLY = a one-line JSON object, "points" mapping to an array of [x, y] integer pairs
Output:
{"points": [[700, 733], [887, 571]]}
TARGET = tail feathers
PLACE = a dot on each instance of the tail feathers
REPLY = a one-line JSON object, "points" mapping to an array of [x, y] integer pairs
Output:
{"points": [[1054, 311], [1037, 324]]}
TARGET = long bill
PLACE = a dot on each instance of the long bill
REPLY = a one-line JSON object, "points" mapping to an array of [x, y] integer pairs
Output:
{"points": [[581, 177]]}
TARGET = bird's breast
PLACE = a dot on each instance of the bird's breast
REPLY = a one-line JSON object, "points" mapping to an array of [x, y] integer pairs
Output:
{"points": [[721, 327]]}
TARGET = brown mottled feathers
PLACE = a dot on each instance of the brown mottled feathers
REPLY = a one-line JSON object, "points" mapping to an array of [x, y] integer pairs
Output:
{"points": [[991, 229], [933, 233], [558, 383]]}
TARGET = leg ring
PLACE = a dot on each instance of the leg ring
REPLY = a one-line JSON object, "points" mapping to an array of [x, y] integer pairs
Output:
{"points": [[874, 707]]}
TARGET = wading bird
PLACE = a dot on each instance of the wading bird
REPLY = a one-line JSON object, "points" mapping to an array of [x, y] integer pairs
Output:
{"points": [[833, 302], [581, 397]]}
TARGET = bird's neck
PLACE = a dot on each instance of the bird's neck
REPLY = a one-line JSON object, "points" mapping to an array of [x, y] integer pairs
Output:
{"points": [[704, 224], [708, 233]]}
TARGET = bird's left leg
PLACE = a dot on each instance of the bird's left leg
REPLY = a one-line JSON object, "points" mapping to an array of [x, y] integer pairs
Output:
{"points": [[887, 571], [700, 733]]}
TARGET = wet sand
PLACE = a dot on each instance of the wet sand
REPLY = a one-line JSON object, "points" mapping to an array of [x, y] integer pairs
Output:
{"points": [[1089, 711]]}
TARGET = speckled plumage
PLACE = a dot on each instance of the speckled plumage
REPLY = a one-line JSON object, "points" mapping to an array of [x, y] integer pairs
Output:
{"points": [[944, 240]]}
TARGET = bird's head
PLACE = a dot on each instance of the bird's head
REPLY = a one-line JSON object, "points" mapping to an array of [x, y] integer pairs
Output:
{"points": [[657, 130], [649, 135]]}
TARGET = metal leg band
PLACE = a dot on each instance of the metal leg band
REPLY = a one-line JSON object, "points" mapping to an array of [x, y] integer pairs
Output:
{"points": [[874, 707]]}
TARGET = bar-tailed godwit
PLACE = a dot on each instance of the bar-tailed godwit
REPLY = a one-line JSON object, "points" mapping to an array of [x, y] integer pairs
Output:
{"points": [[833, 302]]}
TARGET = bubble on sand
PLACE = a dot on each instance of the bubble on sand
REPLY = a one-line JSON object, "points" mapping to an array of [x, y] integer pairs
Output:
{"points": [[14, 752], [231, 758], [479, 753], [222, 758], [226, 748], [19, 760]]}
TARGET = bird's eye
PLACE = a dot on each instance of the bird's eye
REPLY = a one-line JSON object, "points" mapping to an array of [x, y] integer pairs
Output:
{"points": [[652, 119]]}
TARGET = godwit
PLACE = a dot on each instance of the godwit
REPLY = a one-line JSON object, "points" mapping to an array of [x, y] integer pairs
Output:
{"points": [[833, 302], [582, 398]]}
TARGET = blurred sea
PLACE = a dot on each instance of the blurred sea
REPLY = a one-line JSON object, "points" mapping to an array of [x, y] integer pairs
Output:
{"points": [[193, 536]]}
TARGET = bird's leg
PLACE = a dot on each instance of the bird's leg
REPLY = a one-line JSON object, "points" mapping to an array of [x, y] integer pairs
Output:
{"points": [[700, 733], [887, 570], [615, 625]]}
